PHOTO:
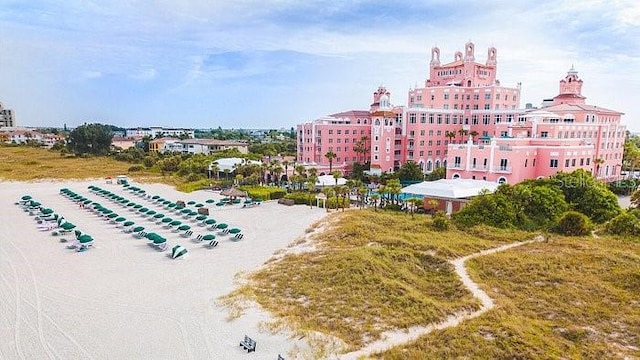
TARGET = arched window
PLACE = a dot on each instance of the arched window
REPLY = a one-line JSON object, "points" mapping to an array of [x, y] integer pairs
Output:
{"points": [[429, 165], [502, 180], [437, 164], [377, 122], [456, 176]]}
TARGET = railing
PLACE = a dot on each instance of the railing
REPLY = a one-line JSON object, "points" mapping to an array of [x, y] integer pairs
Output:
{"points": [[503, 169], [479, 168], [455, 166], [505, 148]]}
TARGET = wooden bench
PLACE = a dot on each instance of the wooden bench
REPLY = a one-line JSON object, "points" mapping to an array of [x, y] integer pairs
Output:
{"points": [[248, 344]]}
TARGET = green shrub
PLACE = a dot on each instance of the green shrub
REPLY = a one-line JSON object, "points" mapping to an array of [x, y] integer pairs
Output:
{"points": [[573, 223], [135, 168], [194, 185], [624, 224], [301, 198], [264, 192], [194, 177], [440, 221]]}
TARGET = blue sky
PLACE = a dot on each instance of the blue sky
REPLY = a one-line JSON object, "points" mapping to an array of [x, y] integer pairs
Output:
{"points": [[272, 64]]}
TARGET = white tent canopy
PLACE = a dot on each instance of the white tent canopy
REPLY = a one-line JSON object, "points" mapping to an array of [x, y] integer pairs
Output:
{"points": [[231, 163], [329, 180], [451, 188]]}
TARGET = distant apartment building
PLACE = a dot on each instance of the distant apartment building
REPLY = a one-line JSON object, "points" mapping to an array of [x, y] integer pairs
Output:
{"points": [[156, 131], [7, 117], [196, 146], [24, 136], [465, 120]]}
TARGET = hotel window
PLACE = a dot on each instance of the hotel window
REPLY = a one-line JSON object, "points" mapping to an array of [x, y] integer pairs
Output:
{"points": [[466, 107], [475, 107], [582, 162], [485, 119], [509, 118], [514, 98], [430, 118], [497, 107], [446, 96], [339, 132], [331, 141], [430, 132], [504, 133], [474, 119], [525, 162], [476, 96], [338, 141], [421, 132], [455, 97], [534, 163], [544, 134], [439, 118], [438, 142], [437, 152], [330, 132], [497, 96], [446, 119], [487, 106], [487, 96], [419, 98], [421, 153], [445, 106], [423, 118], [429, 152], [553, 163], [346, 132], [412, 118], [430, 142], [455, 119], [421, 142], [468, 97], [566, 163], [433, 97], [375, 148], [455, 106], [588, 161], [497, 119], [439, 133], [573, 162]]}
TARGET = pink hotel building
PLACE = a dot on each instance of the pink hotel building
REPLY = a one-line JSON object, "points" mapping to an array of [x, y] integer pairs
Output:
{"points": [[465, 120]]}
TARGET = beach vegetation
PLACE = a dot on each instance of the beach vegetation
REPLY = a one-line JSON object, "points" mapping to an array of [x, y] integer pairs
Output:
{"points": [[372, 271], [94, 139], [569, 297], [573, 223]]}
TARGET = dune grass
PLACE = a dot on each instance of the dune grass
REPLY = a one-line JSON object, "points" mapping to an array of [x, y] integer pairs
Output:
{"points": [[370, 272], [567, 298], [24, 163]]}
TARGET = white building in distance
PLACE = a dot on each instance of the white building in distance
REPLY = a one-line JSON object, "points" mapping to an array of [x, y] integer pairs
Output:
{"points": [[6, 117], [156, 131]]}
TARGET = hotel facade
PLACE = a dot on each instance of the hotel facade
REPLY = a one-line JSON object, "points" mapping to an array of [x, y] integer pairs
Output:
{"points": [[465, 120]]}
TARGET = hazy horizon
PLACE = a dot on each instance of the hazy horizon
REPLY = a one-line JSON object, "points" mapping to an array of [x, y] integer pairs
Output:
{"points": [[250, 64]]}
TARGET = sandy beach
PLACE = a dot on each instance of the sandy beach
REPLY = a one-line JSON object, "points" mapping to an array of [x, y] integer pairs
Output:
{"points": [[122, 299]]}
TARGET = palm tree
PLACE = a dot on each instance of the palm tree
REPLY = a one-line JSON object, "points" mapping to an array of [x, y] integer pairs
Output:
{"points": [[311, 186], [286, 164], [598, 162], [450, 135], [328, 192], [374, 198], [330, 156], [336, 176], [463, 133], [473, 134], [342, 192]]}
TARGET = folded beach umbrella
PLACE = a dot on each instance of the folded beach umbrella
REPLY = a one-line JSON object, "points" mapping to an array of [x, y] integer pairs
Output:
{"points": [[131, 204], [120, 219], [112, 215], [151, 236], [87, 202], [167, 220], [158, 216], [143, 210], [234, 231], [47, 211], [222, 226], [208, 237], [184, 227], [159, 240], [137, 206], [154, 197], [125, 185], [175, 223], [210, 221], [178, 251], [210, 201], [138, 229], [151, 212], [199, 205], [201, 217], [128, 223], [171, 205], [185, 211], [166, 202], [191, 202]]}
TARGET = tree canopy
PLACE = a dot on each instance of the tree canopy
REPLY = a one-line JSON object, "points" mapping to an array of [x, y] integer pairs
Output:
{"points": [[92, 139]]}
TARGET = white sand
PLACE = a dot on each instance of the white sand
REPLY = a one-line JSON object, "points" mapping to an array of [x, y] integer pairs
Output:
{"points": [[124, 300]]}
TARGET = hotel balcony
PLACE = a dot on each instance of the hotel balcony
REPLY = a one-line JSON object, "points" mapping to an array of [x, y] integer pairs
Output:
{"points": [[502, 169], [479, 168], [456, 166]]}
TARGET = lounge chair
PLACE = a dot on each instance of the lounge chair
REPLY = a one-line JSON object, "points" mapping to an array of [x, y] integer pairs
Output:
{"points": [[187, 234], [212, 244], [140, 235]]}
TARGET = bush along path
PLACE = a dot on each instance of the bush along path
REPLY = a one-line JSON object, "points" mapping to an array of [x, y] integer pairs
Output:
{"points": [[398, 337]]}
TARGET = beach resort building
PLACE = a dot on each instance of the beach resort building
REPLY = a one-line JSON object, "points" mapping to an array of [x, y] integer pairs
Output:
{"points": [[156, 131], [6, 117], [465, 120], [24, 136], [196, 146]]}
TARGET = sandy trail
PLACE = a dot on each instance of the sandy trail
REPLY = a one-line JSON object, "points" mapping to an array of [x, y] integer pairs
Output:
{"points": [[398, 337]]}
